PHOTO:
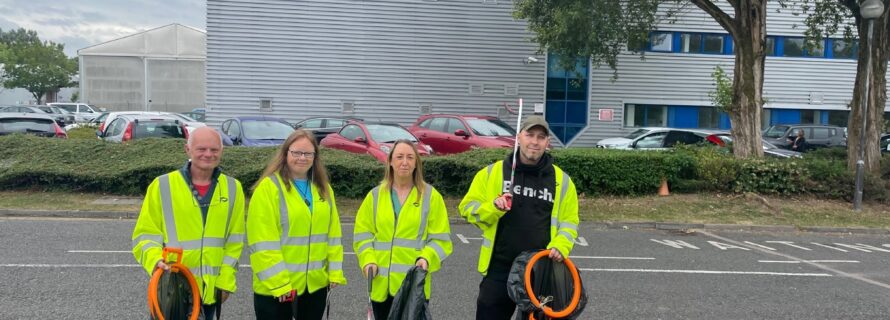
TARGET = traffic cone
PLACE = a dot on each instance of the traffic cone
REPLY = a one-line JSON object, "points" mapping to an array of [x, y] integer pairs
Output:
{"points": [[663, 190]]}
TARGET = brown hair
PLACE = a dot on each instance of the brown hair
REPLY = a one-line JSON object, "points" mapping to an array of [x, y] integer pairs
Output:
{"points": [[389, 176], [317, 173]]}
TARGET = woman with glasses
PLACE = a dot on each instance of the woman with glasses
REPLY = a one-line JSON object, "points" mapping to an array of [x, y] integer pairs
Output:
{"points": [[294, 234], [402, 223]]}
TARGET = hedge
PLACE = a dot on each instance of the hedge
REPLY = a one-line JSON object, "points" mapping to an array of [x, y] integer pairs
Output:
{"points": [[96, 166]]}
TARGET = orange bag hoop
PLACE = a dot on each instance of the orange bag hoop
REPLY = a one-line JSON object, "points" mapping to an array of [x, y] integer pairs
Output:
{"points": [[175, 267], [576, 281]]}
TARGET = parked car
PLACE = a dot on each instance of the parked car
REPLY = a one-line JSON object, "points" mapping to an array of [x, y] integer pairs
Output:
{"points": [[375, 139], [39, 124], [107, 118], [661, 139], [625, 141], [256, 131], [769, 149], [453, 133], [139, 126], [62, 116], [82, 112], [817, 136], [323, 126], [59, 118], [198, 116]]}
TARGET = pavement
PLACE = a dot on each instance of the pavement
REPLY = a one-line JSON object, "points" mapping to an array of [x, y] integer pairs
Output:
{"points": [[62, 268]]}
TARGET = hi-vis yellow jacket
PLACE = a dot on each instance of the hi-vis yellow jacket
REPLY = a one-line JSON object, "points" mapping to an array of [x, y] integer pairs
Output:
{"points": [[422, 230], [479, 209], [171, 217], [291, 248]]}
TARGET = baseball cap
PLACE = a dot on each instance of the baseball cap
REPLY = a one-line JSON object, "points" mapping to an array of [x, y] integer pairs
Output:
{"points": [[535, 121]]}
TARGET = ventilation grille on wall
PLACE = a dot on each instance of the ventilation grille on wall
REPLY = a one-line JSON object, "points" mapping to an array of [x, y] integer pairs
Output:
{"points": [[348, 107], [266, 105], [511, 90], [426, 108], [476, 89]]}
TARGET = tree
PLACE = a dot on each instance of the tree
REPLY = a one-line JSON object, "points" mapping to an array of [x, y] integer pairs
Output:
{"points": [[825, 18], [37, 66], [600, 29]]}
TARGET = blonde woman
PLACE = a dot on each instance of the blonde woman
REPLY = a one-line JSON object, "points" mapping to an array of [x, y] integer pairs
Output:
{"points": [[402, 223], [294, 234]]}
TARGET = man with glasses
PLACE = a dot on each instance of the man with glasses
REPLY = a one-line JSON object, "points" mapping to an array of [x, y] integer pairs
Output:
{"points": [[199, 210]]}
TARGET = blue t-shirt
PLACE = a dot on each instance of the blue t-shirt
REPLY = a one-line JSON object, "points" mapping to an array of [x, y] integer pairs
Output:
{"points": [[305, 191]]}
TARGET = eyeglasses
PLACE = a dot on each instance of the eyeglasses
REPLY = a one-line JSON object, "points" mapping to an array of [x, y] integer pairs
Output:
{"points": [[298, 154]]}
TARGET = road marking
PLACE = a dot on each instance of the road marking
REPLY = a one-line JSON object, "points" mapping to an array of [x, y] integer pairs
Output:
{"points": [[758, 273], [862, 247], [790, 244], [829, 247], [40, 265], [679, 244], [806, 261], [464, 239], [814, 264], [581, 241], [612, 258], [99, 251]]}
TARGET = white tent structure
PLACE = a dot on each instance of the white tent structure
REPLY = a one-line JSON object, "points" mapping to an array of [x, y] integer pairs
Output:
{"points": [[161, 69]]}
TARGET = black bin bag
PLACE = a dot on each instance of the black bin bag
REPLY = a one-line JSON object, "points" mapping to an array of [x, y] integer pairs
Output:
{"points": [[551, 282], [174, 296], [410, 302]]}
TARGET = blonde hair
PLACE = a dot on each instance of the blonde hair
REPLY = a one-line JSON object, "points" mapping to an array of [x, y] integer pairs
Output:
{"points": [[317, 173], [389, 176]]}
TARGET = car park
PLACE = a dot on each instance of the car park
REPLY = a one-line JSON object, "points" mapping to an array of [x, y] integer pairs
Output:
{"points": [[129, 127], [82, 112], [323, 126], [107, 118], [59, 118], [817, 136], [375, 139], [454, 133], [62, 116], [39, 124], [256, 131], [662, 139]]}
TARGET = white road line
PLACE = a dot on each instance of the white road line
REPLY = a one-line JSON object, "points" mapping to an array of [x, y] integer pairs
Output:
{"points": [[713, 272], [581, 241], [462, 238], [805, 261], [814, 264], [350, 253], [99, 251], [612, 258]]}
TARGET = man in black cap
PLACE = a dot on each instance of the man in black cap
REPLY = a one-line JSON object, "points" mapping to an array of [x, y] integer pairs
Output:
{"points": [[538, 211]]}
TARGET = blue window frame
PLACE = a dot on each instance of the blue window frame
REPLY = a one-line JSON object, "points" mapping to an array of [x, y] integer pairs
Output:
{"points": [[567, 95], [689, 117], [775, 46]]}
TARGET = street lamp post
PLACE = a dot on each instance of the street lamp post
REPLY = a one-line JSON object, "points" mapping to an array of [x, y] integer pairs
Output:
{"points": [[869, 10]]}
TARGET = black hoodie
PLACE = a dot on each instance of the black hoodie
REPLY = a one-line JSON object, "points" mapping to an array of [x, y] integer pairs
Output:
{"points": [[527, 225]]}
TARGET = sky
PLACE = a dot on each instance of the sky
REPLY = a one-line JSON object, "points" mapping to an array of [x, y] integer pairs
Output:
{"points": [[82, 23]]}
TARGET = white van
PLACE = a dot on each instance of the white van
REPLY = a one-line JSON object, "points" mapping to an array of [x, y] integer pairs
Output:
{"points": [[82, 111]]}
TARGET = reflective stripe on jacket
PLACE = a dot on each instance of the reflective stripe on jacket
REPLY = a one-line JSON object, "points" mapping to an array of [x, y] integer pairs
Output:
{"points": [[478, 208], [291, 248], [171, 217], [422, 230]]}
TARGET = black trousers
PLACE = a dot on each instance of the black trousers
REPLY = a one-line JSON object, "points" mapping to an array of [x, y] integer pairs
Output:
{"points": [[310, 306], [493, 303], [381, 309]]}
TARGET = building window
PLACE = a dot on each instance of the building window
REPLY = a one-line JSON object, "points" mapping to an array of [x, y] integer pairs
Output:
{"points": [[793, 47], [661, 41], [844, 49], [644, 116], [566, 105], [770, 49], [713, 44], [838, 117], [708, 117], [690, 43]]}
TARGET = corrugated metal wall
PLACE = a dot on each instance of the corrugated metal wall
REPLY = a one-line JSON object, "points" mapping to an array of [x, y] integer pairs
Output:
{"points": [[388, 57], [391, 57]]}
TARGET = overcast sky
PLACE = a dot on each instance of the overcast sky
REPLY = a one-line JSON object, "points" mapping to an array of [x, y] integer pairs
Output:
{"points": [[82, 23]]}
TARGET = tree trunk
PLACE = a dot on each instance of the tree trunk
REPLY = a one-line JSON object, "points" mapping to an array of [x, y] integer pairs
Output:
{"points": [[747, 92], [748, 30], [877, 95]]}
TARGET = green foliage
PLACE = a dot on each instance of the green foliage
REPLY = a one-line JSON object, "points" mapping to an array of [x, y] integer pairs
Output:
{"points": [[828, 154], [75, 96], [621, 172], [85, 132], [37, 66], [715, 169], [721, 96]]}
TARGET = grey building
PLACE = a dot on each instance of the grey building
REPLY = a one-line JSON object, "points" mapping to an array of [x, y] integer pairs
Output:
{"points": [[161, 69], [394, 60]]}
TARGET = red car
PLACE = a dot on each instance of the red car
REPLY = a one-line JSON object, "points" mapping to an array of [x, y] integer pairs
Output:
{"points": [[375, 139], [452, 133]]}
